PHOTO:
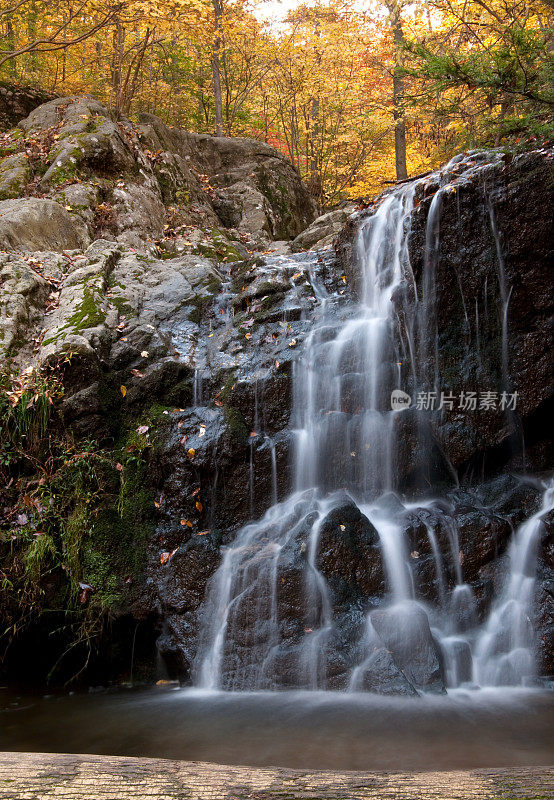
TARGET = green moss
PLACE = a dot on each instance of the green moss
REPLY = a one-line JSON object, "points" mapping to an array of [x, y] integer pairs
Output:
{"points": [[220, 248], [227, 391], [201, 302], [67, 171], [213, 285], [39, 556], [236, 425], [89, 314]]}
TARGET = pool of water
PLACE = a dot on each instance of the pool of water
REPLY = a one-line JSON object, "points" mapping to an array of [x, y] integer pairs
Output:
{"points": [[316, 730]]}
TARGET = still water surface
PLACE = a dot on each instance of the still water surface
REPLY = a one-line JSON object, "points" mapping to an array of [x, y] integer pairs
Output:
{"points": [[317, 730]]}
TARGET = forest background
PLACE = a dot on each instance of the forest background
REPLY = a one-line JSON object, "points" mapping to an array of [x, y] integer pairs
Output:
{"points": [[357, 93]]}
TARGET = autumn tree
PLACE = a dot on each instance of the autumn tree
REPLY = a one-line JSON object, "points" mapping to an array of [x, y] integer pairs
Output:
{"points": [[47, 27], [216, 66], [487, 68], [394, 8]]}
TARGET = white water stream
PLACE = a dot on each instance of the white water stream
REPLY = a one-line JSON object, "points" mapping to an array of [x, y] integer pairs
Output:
{"points": [[345, 441]]}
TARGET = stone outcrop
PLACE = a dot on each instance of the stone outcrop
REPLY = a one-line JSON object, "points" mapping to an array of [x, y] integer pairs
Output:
{"points": [[149, 186], [17, 102], [323, 230], [136, 277], [32, 224], [506, 204]]}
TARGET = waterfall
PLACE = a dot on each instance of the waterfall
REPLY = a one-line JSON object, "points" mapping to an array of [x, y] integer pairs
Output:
{"points": [[505, 646], [269, 618]]}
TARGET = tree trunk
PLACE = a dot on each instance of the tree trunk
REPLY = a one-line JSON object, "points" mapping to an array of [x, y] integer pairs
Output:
{"points": [[216, 67], [117, 64], [394, 7], [313, 149]]}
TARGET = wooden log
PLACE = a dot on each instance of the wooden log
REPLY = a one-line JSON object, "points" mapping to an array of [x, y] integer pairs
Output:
{"points": [[44, 776]]}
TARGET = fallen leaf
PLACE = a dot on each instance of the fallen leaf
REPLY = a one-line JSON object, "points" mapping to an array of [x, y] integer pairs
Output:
{"points": [[144, 354], [123, 390], [199, 506], [191, 452], [202, 430], [164, 558], [186, 522], [86, 591], [119, 467], [202, 533]]}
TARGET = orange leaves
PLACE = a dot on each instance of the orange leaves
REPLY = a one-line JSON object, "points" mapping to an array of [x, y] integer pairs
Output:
{"points": [[123, 390], [199, 506], [166, 556]]}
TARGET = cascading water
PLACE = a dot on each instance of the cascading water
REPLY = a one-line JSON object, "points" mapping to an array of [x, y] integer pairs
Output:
{"points": [[270, 619]]}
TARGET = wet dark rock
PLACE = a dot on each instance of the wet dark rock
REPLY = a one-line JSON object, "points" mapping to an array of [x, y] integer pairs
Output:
{"points": [[381, 675], [485, 193], [195, 340], [544, 621], [405, 633], [390, 503], [482, 538], [349, 554]]}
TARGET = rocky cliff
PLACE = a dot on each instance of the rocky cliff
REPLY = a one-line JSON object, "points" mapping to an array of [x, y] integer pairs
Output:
{"points": [[149, 349]]}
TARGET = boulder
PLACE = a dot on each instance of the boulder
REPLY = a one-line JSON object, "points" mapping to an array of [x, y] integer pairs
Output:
{"points": [[23, 294], [349, 554], [15, 174], [231, 163], [380, 675], [16, 102], [405, 633], [33, 224], [323, 230]]}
